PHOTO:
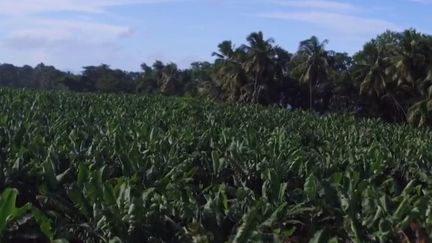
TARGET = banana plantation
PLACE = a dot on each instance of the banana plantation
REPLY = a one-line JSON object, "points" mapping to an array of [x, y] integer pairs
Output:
{"points": [[389, 78], [87, 167]]}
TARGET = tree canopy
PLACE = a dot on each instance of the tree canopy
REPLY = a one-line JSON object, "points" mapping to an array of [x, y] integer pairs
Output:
{"points": [[390, 78]]}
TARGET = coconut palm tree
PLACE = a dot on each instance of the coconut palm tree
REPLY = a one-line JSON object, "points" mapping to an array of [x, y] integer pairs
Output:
{"points": [[371, 70], [230, 71], [420, 113], [409, 58], [377, 72], [315, 67], [170, 80], [260, 64]]}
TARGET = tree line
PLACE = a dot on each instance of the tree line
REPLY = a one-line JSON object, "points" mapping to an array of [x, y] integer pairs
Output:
{"points": [[390, 78]]}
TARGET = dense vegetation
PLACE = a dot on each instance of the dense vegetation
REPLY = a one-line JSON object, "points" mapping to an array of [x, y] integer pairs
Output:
{"points": [[390, 78], [129, 168]]}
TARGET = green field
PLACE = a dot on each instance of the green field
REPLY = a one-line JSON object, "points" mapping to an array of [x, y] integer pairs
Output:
{"points": [[100, 168]]}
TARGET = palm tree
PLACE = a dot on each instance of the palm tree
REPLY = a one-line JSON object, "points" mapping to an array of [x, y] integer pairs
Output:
{"points": [[251, 72], [229, 69], [420, 113], [147, 82], [260, 64], [315, 67], [170, 79], [423, 108], [372, 70], [409, 58]]}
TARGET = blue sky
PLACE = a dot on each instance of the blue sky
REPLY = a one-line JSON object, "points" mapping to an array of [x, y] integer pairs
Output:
{"points": [[125, 33]]}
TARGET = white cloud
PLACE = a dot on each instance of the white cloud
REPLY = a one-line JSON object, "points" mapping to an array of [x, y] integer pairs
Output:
{"points": [[25, 7], [340, 18], [347, 24], [317, 4], [339, 22], [57, 29], [89, 35], [23, 19]]}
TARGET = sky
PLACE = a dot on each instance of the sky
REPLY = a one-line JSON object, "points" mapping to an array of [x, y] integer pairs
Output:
{"points": [[70, 34]]}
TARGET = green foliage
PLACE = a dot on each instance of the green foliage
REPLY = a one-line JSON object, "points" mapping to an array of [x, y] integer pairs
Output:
{"points": [[253, 72], [315, 66], [125, 168], [10, 214], [393, 71], [8, 210], [390, 78]]}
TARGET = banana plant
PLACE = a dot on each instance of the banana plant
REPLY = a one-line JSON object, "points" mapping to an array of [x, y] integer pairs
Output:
{"points": [[11, 214], [118, 168], [8, 210]]}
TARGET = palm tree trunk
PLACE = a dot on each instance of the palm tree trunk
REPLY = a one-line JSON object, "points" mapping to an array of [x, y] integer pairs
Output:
{"points": [[255, 98], [402, 116], [310, 96], [255, 93]]}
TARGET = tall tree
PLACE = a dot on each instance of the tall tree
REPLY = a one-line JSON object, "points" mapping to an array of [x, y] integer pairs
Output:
{"points": [[230, 71], [170, 80], [372, 71], [420, 113], [202, 77], [260, 66], [147, 83], [315, 66], [409, 58]]}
